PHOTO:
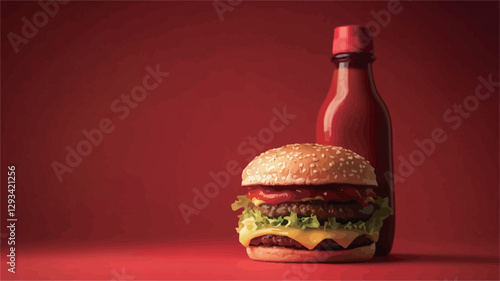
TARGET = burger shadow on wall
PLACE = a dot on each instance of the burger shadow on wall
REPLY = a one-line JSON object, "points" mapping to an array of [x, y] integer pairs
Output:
{"points": [[435, 258]]}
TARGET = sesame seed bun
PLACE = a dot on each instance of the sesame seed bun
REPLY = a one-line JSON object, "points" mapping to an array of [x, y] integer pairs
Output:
{"points": [[308, 164], [280, 254]]}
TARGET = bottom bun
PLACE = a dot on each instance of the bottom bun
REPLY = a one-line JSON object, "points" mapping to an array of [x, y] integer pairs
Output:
{"points": [[280, 254]]}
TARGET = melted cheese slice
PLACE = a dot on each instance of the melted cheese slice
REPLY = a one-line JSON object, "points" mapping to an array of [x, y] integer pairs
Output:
{"points": [[257, 202], [310, 238]]}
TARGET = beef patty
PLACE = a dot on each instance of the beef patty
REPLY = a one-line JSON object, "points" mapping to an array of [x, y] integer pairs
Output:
{"points": [[325, 245], [342, 211]]}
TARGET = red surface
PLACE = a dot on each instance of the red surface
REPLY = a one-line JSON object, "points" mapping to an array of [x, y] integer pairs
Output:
{"points": [[225, 79], [227, 260]]}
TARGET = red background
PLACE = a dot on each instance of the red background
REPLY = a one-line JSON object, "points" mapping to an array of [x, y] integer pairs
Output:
{"points": [[225, 79]]}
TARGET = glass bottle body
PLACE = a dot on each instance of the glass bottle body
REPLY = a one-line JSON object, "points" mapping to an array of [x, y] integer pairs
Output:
{"points": [[354, 116]]}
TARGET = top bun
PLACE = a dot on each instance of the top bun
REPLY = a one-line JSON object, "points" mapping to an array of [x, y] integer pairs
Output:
{"points": [[308, 164]]}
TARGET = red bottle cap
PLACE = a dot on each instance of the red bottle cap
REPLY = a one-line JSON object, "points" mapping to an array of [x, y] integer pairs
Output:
{"points": [[352, 39]]}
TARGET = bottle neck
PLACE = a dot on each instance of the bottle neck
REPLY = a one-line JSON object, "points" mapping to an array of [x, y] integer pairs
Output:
{"points": [[352, 74]]}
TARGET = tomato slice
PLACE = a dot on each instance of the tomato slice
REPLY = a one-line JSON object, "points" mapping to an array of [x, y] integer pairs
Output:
{"points": [[297, 193]]}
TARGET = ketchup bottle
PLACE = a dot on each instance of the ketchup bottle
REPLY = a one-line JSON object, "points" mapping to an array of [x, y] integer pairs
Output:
{"points": [[354, 116]]}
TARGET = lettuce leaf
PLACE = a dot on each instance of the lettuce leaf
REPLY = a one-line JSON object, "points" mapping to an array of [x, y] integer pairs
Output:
{"points": [[242, 202], [253, 220]]}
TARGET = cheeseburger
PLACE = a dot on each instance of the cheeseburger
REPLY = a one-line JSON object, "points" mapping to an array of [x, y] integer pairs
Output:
{"points": [[310, 203]]}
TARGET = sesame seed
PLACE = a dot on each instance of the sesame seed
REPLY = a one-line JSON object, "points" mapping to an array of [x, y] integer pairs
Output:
{"points": [[344, 175], [312, 165], [338, 151], [340, 164], [303, 170], [351, 175], [342, 159], [322, 155], [295, 176], [323, 169], [335, 176], [331, 164], [300, 165], [315, 159], [314, 154], [300, 157], [315, 171]]}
